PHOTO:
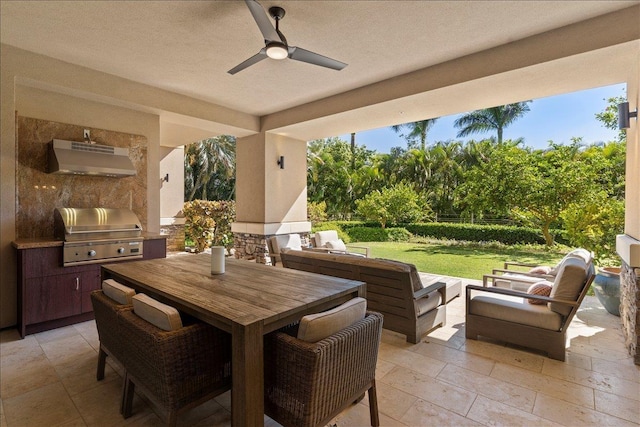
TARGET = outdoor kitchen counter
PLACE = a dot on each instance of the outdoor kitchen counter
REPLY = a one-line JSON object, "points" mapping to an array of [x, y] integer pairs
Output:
{"points": [[50, 242]]}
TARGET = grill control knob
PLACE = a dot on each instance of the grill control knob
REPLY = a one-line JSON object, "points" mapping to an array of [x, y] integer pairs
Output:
{"points": [[91, 253], [120, 250]]}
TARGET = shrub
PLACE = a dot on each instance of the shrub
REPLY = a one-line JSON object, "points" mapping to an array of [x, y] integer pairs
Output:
{"points": [[478, 233], [399, 203], [316, 212], [332, 225], [376, 234], [209, 222]]}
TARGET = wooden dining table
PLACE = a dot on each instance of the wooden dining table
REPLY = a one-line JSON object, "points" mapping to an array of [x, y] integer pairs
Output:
{"points": [[247, 301]]}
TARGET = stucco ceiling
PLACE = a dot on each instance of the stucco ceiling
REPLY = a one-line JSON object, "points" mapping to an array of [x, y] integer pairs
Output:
{"points": [[188, 46]]}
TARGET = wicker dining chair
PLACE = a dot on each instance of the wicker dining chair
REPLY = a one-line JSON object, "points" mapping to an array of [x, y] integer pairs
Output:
{"points": [[308, 384], [176, 370], [106, 310]]}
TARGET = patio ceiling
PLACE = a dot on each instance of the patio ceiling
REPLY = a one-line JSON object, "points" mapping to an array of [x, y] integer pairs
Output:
{"points": [[187, 48]]}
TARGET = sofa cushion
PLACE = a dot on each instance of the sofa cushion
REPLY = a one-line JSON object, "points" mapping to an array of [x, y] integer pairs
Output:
{"points": [[515, 281], [516, 310], [579, 253], [569, 281], [289, 241], [542, 288], [158, 314], [336, 245], [428, 302], [316, 327], [322, 237], [117, 291]]}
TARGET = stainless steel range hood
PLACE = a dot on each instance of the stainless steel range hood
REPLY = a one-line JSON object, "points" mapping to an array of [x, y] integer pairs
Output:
{"points": [[81, 158]]}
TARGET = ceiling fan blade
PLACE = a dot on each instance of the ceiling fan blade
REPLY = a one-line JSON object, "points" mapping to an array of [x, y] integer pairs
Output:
{"points": [[304, 55], [249, 62], [264, 23]]}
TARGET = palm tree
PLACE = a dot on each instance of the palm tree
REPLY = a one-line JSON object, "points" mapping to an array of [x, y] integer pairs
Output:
{"points": [[417, 129], [489, 119], [206, 159]]}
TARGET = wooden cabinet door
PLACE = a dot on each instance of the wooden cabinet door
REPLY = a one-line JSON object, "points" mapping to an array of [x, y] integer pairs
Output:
{"points": [[53, 297], [89, 281]]}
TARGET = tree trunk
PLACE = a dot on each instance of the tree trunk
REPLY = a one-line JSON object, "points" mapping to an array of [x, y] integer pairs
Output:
{"points": [[499, 135], [548, 237], [353, 151]]}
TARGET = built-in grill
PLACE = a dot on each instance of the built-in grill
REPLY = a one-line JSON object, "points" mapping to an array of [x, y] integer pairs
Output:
{"points": [[94, 235]]}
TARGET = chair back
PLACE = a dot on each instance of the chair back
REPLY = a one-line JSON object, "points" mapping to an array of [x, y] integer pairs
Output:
{"points": [[106, 315], [308, 384], [284, 241]]}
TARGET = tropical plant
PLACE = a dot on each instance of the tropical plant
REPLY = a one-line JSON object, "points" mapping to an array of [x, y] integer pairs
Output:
{"points": [[396, 204], [609, 117], [417, 131], [209, 222], [316, 212], [210, 169], [491, 119]]}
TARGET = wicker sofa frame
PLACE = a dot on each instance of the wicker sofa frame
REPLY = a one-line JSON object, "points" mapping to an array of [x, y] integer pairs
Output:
{"points": [[389, 291]]}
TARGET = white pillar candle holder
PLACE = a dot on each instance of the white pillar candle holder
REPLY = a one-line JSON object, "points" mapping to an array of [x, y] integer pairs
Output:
{"points": [[217, 259]]}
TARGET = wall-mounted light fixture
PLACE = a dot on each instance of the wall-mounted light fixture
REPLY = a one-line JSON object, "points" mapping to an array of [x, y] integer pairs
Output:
{"points": [[624, 115], [166, 178], [281, 162]]}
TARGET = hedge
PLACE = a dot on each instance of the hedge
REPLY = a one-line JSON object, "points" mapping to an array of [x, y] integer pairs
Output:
{"points": [[509, 235]]}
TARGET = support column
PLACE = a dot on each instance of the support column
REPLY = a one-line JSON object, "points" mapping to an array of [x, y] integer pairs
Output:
{"points": [[271, 192]]}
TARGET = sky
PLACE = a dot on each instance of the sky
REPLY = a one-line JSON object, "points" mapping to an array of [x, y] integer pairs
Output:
{"points": [[557, 118]]}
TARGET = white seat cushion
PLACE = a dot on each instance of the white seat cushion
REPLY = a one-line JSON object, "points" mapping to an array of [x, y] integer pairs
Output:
{"points": [[316, 327], [117, 291], [515, 281], [516, 310], [158, 314], [288, 241]]}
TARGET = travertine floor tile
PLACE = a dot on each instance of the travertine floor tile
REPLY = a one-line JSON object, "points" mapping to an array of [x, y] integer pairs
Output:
{"points": [[66, 349], [417, 362], [442, 394], [560, 389], [358, 415], [624, 369], [492, 413], [19, 378], [424, 413], [56, 334], [496, 390], [519, 358], [391, 401], [597, 351], [569, 414], [45, 406], [460, 358], [79, 375], [383, 367], [596, 380], [612, 404]]}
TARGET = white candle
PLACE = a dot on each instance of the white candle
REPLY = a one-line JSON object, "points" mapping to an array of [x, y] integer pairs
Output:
{"points": [[217, 259]]}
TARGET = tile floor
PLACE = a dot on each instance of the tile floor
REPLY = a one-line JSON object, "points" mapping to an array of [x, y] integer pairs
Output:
{"points": [[49, 379]]}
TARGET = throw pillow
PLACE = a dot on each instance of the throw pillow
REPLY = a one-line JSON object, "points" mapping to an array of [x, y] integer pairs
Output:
{"points": [[541, 288], [541, 269], [117, 291], [337, 245]]}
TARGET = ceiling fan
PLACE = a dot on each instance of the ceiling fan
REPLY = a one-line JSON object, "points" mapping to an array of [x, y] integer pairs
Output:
{"points": [[276, 46]]}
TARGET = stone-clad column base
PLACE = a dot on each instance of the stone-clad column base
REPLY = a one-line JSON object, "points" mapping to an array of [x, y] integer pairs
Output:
{"points": [[629, 314]]}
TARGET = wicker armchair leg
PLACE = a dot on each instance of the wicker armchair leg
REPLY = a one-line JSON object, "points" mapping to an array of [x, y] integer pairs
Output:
{"points": [[373, 405], [102, 358], [128, 391]]}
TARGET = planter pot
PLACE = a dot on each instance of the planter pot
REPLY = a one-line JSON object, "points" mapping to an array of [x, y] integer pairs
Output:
{"points": [[606, 286]]}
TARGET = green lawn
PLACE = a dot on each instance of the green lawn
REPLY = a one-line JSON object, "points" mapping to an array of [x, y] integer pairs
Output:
{"points": [[459, 261]]}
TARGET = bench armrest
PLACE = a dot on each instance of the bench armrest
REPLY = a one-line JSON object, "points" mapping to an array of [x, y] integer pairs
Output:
{"points": [[518, 264], [428, 289], [486, 278]]}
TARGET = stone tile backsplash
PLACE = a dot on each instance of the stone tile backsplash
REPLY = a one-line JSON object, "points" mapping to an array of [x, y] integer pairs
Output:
{"points": [[39, 193]]}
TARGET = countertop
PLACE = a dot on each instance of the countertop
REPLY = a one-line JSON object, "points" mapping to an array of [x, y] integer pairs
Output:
{"points": [[50, 242]]}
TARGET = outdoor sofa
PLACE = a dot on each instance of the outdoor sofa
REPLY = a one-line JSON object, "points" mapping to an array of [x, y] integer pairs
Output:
{"points": [[394, 288]]}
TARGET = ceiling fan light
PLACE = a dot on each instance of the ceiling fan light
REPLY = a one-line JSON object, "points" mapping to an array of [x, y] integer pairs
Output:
{"points": [[276, 50]]}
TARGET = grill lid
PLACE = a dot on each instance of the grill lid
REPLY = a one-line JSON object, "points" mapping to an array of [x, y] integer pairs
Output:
{"points": [[75, 224]]}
